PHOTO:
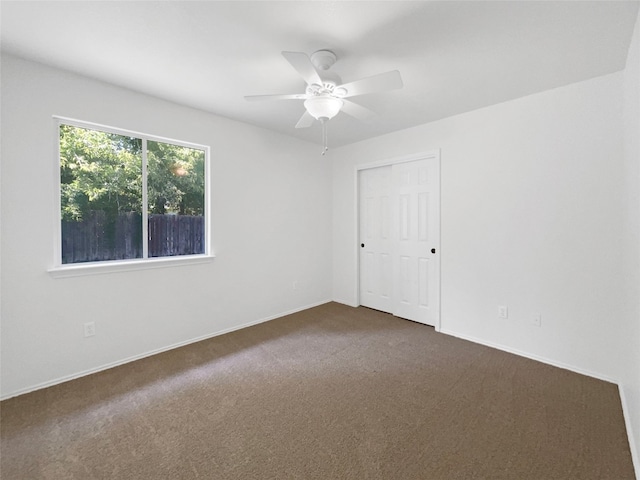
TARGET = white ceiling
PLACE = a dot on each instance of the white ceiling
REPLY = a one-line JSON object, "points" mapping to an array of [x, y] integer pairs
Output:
{"points": [[454, 56]]}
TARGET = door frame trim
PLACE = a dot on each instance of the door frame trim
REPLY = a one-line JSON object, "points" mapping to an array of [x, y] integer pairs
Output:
{"points": [[428, 155]]}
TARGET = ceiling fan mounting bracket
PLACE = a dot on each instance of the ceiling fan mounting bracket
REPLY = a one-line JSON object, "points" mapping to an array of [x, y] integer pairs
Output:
{"points": [[323, 59]]}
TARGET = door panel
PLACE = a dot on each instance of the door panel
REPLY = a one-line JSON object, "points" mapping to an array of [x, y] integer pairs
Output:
{"points": [[376, 276], [411, 183]]}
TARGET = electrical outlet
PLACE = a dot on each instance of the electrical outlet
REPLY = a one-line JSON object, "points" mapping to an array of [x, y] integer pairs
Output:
{"points": [[89, 329], [536, 320], [294, 285], [503, 312]]}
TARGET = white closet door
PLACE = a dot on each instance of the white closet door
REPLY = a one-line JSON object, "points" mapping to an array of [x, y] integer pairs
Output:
{"points": [[376, 272], [399, 235], [416, 276]]}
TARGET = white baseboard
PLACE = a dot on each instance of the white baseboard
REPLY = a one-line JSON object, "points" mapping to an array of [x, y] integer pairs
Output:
{"points": [[633, 446], [531, 356], [107, 366]]}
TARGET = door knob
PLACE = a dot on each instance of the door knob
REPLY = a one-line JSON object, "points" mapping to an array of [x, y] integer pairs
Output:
{"points": [[433, 250], [362, 245]]}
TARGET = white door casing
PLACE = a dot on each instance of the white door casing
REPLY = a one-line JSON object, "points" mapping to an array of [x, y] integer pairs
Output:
{"points": [[399, 226]]}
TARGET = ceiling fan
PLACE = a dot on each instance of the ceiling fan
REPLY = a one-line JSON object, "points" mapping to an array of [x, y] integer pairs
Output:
{"points": [[325, 94]]}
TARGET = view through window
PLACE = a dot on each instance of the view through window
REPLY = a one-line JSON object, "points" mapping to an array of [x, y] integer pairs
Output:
{"points": [[129, 196]]}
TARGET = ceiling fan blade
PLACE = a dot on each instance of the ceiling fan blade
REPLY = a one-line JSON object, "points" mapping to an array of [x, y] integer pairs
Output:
{"points": [[293, 96], [302, 63], [377, 83], [305, 121], [357, 111]]}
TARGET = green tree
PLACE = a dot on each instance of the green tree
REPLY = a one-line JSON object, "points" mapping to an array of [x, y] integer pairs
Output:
{"points": [[175, 178], [99, 171], [102, 171]]}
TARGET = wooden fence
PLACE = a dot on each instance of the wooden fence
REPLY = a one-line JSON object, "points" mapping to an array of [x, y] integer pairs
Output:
{"points": [[98, 238], [175, 235]]}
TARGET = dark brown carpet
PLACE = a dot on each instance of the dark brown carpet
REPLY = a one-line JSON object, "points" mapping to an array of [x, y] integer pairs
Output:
{"points": [[329, 393]]}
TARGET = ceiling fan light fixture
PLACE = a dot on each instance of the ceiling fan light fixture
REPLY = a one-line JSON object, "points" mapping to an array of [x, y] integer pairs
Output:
{"points": [[323, 107], [325, 91]]}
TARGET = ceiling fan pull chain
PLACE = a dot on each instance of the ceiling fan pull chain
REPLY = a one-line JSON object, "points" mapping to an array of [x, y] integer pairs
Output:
{"points": [[324, 136]]}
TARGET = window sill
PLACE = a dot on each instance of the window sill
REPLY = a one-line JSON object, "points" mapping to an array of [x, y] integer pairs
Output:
{"points": [[97, 268]]}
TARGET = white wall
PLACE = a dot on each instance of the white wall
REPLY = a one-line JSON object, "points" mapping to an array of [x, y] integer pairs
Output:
{"points": [[630, 375], [271, 220], [532, 218]]}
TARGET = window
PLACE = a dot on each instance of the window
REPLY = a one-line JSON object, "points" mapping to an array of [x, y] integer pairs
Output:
{"points": [[130, 197]]}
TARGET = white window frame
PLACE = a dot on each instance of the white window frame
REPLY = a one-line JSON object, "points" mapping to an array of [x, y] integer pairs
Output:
{"points": [[60, 270]]}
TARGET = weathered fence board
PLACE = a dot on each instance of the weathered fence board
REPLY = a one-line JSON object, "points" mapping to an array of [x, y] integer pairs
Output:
{"points": [[175, 235], [97, 238]]}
